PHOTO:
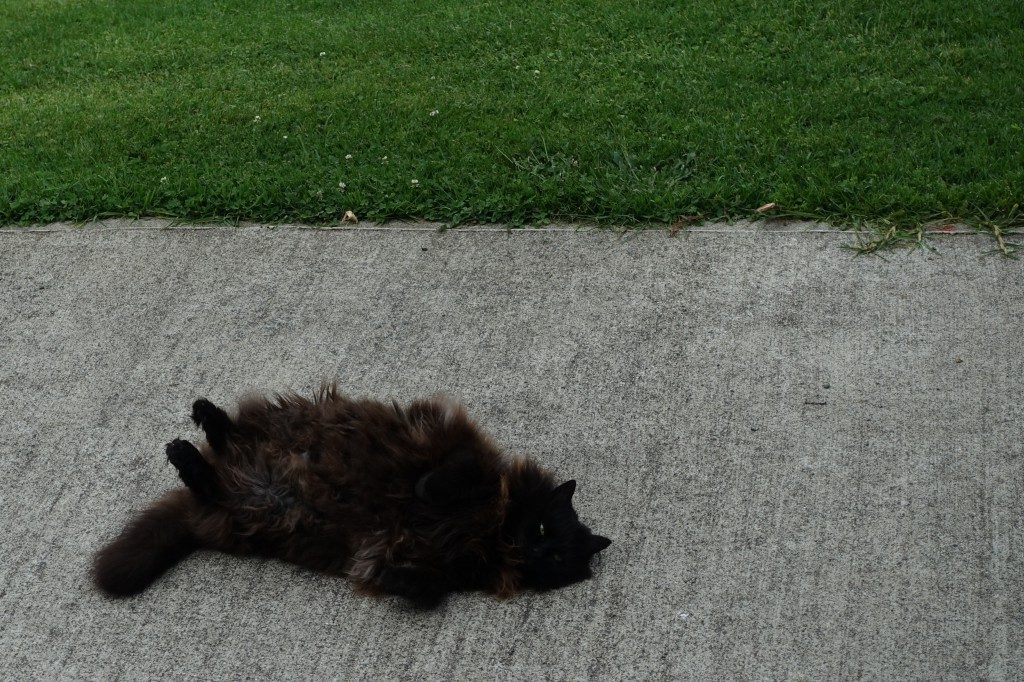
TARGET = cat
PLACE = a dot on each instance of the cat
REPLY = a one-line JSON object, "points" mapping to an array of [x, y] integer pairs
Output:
{"points": [[410, 501]]}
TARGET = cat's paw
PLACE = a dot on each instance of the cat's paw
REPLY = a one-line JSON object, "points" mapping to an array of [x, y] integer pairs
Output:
{"points": [[205, 412], [194, 471], [181, 454], [214, 421]]}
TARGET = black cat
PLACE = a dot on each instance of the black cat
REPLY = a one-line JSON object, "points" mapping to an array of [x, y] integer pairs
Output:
{"points": [[412, 501]]}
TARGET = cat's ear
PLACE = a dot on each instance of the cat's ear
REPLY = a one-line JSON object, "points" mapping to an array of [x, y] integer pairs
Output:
{"points": [[564, 492], [597, 543]]}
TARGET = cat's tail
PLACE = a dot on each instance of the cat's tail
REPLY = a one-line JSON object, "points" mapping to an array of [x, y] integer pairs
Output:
{"points": [[151, 543]]}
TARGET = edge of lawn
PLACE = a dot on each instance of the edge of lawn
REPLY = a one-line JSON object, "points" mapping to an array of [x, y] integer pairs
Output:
{"points": [[1006, 232]]}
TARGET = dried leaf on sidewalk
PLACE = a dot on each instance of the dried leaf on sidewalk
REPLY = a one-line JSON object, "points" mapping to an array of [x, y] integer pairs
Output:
{"points": [[681, 222]]}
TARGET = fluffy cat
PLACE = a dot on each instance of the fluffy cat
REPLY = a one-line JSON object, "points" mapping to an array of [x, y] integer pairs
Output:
{"points": [[412, 501]]}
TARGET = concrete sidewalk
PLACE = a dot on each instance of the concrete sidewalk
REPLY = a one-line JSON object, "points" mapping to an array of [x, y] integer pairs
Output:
{"points": [[811, 464]]}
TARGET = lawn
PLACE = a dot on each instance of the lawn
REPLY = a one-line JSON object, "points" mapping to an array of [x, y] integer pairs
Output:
{"points": [[609, 110]]}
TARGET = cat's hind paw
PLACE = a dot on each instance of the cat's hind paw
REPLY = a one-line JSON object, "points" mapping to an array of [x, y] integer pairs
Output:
{"points": [[194, 471], [214, 421]]}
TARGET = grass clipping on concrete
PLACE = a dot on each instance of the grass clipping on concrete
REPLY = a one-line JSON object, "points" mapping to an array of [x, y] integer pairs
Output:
{"points": [[891, 114]]}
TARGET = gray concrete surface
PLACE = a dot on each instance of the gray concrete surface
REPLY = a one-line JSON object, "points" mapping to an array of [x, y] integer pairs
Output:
{"points": [[811, 464]]}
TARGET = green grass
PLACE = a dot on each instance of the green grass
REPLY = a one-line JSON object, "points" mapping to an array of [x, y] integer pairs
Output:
{"points": [[854, 111]]}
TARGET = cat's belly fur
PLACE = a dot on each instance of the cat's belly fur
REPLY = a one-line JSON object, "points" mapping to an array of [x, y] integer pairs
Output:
{"points": [[330, 485]]}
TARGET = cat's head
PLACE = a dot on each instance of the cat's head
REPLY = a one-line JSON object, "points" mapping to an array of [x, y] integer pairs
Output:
{"points": [[556, 547]]}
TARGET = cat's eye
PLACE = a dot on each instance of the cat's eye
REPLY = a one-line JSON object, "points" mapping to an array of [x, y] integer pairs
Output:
{"points": [[542, 530]]}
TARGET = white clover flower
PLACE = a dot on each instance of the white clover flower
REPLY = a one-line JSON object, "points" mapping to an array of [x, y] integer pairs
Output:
{"points": [[348, 156], [342, 185], [435, 112], [163, 180], [257, 119], [536, 72], [323, 54], [415, 182], [284, 137]]}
